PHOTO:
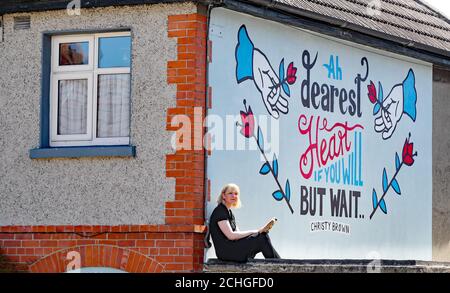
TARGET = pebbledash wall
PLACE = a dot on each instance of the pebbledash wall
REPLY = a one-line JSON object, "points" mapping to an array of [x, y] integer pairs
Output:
{"points": [[137, 214], [142, 213]]}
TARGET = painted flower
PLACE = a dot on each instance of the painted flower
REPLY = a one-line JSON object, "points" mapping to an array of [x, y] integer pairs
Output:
{"points": [[372, 92], [407, 154], [248, 123], [291, 72]]}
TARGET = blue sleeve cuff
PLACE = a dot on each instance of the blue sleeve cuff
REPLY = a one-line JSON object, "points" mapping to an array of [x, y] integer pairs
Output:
{"points": [[410, 95], [244, 56]]}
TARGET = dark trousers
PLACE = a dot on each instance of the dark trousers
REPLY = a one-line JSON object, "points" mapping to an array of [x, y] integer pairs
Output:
{"points": [[244, 249]]}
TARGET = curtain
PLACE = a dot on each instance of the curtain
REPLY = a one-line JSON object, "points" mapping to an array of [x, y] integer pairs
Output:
{"points": [[72, 106], [113, 105]]}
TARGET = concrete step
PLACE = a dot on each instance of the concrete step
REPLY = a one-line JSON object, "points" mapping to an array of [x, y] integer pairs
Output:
{"points": [[326, 266]]}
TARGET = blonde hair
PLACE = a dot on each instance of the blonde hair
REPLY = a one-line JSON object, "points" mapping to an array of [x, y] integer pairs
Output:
{"points": [[238, 203]]}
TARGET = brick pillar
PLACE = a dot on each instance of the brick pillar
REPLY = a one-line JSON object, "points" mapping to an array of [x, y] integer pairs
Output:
{"points": [[186, 165]]}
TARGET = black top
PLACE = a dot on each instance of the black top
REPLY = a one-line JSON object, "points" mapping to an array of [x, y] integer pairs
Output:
{"points": [[221, 242]]}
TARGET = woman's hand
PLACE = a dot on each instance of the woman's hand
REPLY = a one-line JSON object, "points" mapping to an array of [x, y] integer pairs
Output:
{"points": [[268, 226], [225, 227]]}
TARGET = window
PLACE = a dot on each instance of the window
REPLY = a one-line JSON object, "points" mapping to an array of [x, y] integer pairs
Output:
{"points": [[90, 90]]}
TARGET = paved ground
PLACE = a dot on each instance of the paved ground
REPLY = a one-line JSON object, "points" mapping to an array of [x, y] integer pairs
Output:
{"points": [[326, 266]]}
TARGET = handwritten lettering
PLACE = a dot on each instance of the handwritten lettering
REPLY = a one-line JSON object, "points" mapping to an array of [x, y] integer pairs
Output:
{"points": [[323, 96], [323, 147]]}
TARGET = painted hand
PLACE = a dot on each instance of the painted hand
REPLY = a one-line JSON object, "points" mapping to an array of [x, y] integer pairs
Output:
{"points": [[401, 100], [391, 112], [268, 84]]}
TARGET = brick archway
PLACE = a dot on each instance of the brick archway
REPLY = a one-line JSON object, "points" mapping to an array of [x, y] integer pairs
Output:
{"points": [[96, 256]]}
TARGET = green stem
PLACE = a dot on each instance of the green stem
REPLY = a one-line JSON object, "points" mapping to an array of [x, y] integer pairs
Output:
{"points": [[273, 173], [381, 105], [390, 183], [384, 194]]}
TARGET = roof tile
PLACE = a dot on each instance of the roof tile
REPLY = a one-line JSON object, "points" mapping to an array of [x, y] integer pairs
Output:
{"points": [[407, 19]]}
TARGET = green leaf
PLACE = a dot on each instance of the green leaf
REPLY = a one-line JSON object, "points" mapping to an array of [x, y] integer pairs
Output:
{"points": [[376, 109], [278, 195], [260, 139], [385, 180], [397, 162], [374, 199], [383, 206], [286, 89], [275, 165], [396, 187], [288, 190], [281, 71], [380, 93], [265, 169]]}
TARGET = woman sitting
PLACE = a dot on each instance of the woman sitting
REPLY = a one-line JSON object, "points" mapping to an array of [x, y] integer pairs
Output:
{"points": [[230, 243]]}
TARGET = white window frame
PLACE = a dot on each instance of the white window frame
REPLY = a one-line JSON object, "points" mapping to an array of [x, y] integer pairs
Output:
{"points": [[61, 138], [90, 71], [57, 40]]}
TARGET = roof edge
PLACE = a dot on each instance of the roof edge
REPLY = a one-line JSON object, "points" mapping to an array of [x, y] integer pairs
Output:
{"points": [[434, 9], [270, 5], [273, 5], [271, 10], [45, 5]]}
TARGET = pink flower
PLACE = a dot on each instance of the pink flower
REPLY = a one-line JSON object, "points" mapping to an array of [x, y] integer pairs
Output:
{"points": [[248, 123], [407, 154], [291, 71], [372, 92]]}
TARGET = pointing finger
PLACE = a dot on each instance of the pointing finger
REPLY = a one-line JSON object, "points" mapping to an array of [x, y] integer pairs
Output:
{"points": [[387, 102], [272, 112], [283, 101], [283, 109], [379, 124], [386, 121], [387, 134], [271, 97]]}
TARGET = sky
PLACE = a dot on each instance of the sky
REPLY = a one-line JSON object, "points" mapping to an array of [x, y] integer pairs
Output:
{"points": [[442, 5]]}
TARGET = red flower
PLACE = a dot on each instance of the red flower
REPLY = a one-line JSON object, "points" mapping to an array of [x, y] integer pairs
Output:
{"points": [[372, 92], [248, 123], [291, 71], [407, 154]]}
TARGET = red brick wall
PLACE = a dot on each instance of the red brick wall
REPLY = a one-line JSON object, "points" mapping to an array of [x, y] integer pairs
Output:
{"points": [[173, 247], [188, 73], [168, 248]]}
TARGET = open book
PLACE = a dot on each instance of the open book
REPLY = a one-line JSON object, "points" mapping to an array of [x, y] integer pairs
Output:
{"points": [[269, 225]]}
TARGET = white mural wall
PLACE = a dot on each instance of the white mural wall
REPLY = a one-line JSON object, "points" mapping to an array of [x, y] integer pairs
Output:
{"points": [[332, 138]]}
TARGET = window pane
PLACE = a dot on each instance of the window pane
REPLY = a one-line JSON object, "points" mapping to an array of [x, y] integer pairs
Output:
{"points": [[72, 106], [114, 52], [113, 105], [73, 53]]}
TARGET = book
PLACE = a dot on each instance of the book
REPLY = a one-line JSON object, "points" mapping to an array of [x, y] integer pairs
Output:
{"points": [[269, 224]]}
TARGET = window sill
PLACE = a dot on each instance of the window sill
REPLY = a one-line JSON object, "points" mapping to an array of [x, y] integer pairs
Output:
{"points": [[85, 151]]}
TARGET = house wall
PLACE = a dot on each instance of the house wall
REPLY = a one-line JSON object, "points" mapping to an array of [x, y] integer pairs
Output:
{"points": [[142, 214], [51, 207], [310, 154], [441, 165], [100, 191]]}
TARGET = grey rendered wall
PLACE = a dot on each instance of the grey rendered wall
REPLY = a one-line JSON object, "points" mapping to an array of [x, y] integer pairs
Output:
{"points": [[100, 191], [441, 165]]}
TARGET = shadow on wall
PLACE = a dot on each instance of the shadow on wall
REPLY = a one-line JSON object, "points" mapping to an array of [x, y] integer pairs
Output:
{"points": [[6, 266], [441, 165]]}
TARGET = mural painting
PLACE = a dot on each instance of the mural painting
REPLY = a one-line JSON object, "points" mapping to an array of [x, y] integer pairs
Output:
{"points": [[345, 167]]}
